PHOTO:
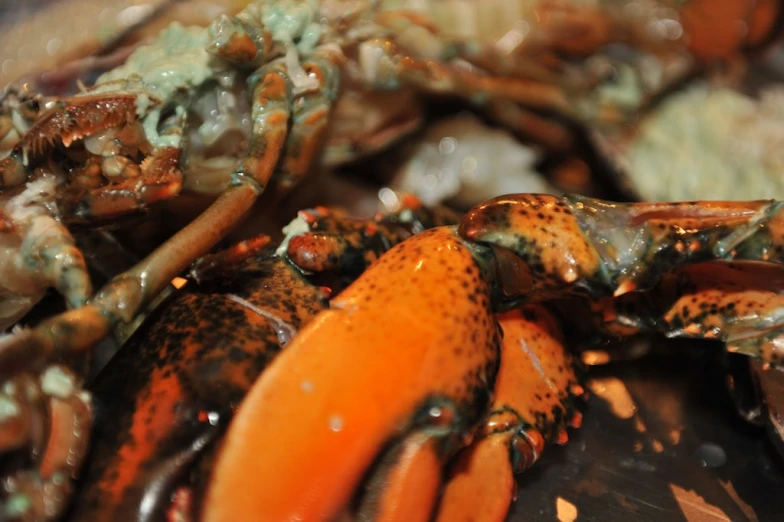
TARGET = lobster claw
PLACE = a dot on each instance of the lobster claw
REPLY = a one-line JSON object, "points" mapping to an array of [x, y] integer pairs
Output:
{"points": [[579, 244], [367, 390], [362, 412]]}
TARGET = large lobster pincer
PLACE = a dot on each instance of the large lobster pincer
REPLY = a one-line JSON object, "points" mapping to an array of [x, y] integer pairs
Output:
{"points": [[396, 378], [169, 393]]}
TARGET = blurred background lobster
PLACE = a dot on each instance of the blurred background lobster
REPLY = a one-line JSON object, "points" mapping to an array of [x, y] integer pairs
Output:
{"points": [[234, 114]]}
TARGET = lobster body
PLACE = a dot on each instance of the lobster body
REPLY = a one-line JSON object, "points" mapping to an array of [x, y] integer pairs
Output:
{"points": [[172, 389]]}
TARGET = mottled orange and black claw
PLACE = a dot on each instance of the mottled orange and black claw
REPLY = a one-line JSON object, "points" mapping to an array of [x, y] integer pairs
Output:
{"points": [[578, 244], [533, 405], [370, 339]]}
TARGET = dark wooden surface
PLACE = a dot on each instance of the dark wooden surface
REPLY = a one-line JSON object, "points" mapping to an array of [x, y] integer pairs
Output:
{"points": [[651, 466]]}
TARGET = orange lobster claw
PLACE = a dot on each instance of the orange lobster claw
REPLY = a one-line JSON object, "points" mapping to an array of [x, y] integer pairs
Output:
{"points": [[532, 406], [395, 376]]}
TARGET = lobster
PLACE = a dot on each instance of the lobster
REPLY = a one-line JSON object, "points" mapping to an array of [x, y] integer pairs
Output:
{"points": [[132, 158], [186, 382], [248, 290], [426, 383]]}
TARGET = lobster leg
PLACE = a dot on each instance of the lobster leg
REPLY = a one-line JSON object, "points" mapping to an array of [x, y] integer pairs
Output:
{"points": [[124, 296], [38, 252], [506, 99], [559, 29], [58, 442], [49, 251], [272, 107], [48, 257], [310, 119], [738, 303], [271, 113], [533, 404], [416, 375], [519, 75], [531, 126], [392, 67]]}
